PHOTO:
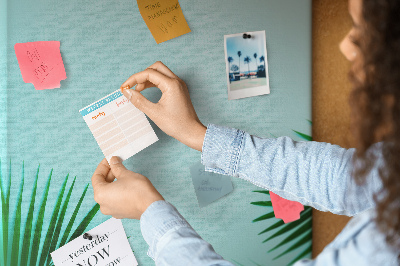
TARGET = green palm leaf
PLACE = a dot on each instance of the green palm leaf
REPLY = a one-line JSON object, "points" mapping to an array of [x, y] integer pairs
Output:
{"points": [[39, 223], [303, 136], [262, 191], [305, 239], [31, 253], [72, 220], [237, 263], [262, 203], [275, 225], [17, 223], [5, 205], [298, 232], [306, 214], [265, 217], [28, 225], [52, 225], [85, 222], [255, 263], [302, 254], [61, 219]]}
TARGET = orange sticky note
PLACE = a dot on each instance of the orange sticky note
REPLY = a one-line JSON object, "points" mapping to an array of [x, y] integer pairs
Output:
{"points": [[164, 18], [284, 209], [41, 64]]}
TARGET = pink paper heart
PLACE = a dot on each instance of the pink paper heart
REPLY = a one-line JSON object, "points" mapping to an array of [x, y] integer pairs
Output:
{"points": [[284, 209]]}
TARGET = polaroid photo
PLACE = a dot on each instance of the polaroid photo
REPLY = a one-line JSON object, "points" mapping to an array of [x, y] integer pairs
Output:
{"points": [[246, 64]]}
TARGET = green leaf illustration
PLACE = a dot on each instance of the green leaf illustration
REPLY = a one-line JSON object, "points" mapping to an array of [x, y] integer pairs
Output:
{"points": [[39, 222], [302, 254], [262, 191], [28, 225], [61, 219], [52, 225], [303, 136], [72, 220], [17, 223], [275, 225], [290, 226], [31, 253], [262, 203], [305, 239], [5, 205], [265, 217], [85, 221], [298, 232]]}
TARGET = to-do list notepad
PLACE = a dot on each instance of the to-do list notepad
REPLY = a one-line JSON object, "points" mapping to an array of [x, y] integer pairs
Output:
{"points": [[118, 126]]}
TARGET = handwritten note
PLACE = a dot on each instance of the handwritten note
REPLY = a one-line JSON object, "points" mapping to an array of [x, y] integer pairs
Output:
{"points": [[209, 186], [118, 126], [41, 64], [108, 246], [164, 18], [284, 209]]}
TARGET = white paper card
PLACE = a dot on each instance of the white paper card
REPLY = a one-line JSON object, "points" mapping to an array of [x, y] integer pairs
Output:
{"points": [[108, 247], [118, 126]]}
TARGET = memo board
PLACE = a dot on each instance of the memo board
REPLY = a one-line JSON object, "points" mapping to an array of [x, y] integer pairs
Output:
{"points": [[102, 44]]}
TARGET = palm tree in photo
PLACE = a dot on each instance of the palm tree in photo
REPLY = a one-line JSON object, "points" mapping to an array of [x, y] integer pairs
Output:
{"points": [[247, 60], [255, 58], [230, 60], [239, 54], [262, 59]]}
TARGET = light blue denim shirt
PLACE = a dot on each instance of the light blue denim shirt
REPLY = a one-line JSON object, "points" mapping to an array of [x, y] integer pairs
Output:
{"points": [[312, 173]]}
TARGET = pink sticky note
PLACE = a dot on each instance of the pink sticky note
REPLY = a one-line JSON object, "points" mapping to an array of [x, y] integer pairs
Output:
{"points": [[41, 64], [284, 209]]}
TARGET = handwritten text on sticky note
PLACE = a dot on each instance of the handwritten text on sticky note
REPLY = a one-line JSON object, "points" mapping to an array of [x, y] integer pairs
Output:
{"points": [[41, 64], [209, 186], [284, 209], [164, 18]]}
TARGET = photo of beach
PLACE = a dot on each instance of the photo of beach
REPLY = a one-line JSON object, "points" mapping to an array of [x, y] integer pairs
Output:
{"points": [[247, 66]]}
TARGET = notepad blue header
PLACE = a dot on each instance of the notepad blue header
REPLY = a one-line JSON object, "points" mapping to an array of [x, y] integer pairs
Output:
{"points": [[100, 103]]}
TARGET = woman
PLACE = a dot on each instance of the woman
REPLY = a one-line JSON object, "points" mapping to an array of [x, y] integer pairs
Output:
{"points": [[363, 183]]}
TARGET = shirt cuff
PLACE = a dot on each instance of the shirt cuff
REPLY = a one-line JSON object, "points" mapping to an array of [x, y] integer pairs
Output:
{"points": [[159, 218], [221, 151]]}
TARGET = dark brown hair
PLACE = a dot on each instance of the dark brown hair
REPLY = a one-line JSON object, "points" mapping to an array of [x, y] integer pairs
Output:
{"points": [[375, 103]]}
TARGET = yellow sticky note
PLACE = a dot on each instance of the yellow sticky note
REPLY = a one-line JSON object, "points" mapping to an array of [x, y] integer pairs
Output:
{"points": [[164, 18]]}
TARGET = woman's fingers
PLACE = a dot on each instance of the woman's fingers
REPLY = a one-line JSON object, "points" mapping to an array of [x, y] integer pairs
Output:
{"points": [[159, 80], [141, 102], [143, 86], [99, 176], [110, 177], [160, 67]]}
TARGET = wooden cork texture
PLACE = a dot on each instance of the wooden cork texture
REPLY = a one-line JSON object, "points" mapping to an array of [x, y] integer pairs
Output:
{"points": [[331, 89]]}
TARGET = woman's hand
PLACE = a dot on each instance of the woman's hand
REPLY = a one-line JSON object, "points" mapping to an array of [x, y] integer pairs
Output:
{"points": [[127, 197], [174, 113]]}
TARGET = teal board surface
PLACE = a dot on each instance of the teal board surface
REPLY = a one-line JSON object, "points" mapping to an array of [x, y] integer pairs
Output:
{"points": [[102, 44]]}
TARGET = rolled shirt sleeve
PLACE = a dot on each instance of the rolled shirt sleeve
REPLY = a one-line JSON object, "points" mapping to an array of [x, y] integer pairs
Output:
{"points": [[171, 239], [315, 174]]}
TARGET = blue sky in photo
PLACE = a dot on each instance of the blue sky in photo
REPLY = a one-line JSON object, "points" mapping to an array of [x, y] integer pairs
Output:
{"points": [[248, 47]]}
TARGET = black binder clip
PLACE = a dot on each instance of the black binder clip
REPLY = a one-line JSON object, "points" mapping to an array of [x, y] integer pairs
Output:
{"points": [[87, 236], [246, 36]]}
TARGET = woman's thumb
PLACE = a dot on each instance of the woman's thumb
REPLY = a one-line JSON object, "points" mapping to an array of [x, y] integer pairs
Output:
{"points": [[117, 167], [138, 100]]}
